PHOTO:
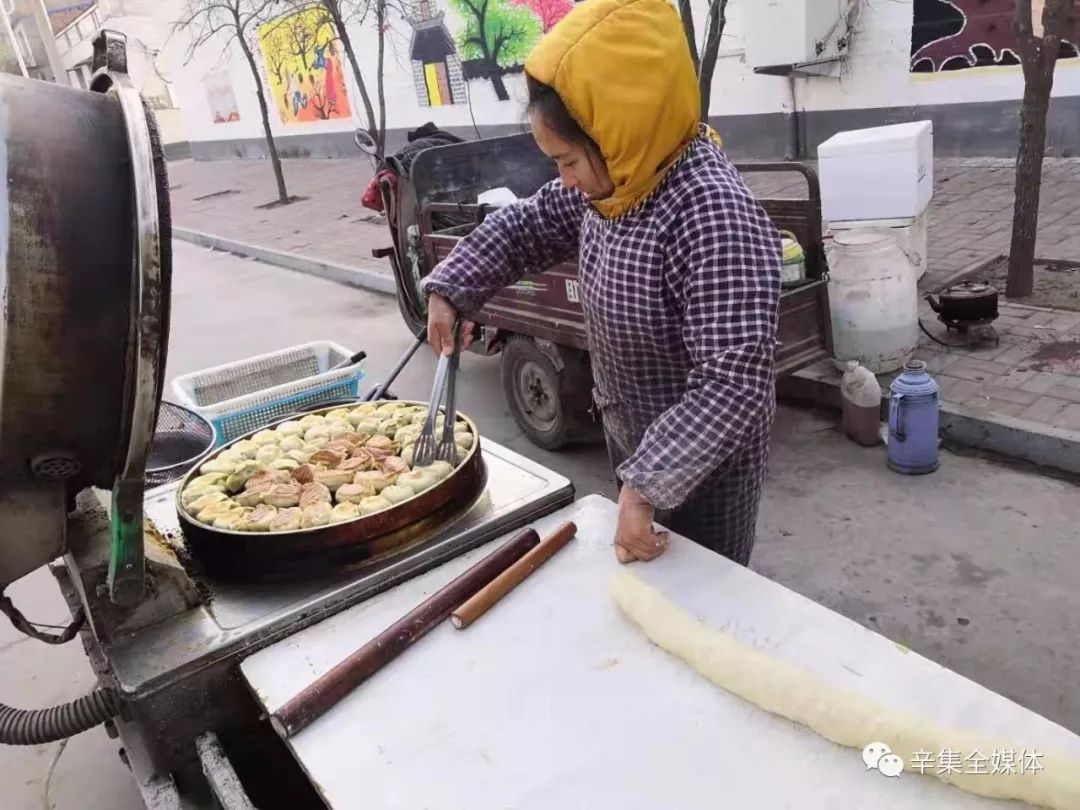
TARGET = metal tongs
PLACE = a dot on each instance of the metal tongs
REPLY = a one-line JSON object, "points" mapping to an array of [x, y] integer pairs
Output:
{"points": [[427, 450]]}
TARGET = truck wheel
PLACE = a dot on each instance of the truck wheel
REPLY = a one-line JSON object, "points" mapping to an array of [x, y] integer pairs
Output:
{"points": [[532, 386]]}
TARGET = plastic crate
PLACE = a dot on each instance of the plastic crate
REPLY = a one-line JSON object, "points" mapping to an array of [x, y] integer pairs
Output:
{"points": [[240, 397]]}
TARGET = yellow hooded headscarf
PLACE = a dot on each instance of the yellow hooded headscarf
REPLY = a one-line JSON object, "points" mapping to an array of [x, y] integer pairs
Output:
{"points": [[623, 70]]}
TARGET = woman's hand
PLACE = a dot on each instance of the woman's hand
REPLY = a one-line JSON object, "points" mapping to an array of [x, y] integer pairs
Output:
{"points": [[440, 326], [634, 535]]}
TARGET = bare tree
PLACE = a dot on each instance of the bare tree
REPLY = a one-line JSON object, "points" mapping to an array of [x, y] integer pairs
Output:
{"points": [[229, 21], [705, 59], [1038, 56]]}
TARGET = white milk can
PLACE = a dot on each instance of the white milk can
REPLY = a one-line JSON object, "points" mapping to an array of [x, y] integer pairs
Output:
{"points": [[873, 300]]}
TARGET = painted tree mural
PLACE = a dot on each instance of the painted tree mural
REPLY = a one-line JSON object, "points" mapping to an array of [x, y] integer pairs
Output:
{"points": [[303, 66], [548, 12], [497, 36]]}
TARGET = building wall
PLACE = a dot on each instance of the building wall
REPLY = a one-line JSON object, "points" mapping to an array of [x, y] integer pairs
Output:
{"points": [[148, 27], [974, 109]]}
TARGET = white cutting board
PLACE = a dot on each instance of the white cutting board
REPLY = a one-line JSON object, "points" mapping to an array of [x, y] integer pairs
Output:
{"points": [[554, 701]]}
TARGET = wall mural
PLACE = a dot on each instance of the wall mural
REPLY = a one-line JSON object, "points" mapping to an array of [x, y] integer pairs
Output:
{"points": [[962, 34], [437, 73], [494, 40], [220, 97], [303, 62]]}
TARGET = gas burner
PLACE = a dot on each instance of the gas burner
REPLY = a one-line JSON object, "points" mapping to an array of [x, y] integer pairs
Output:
{"points": [[968, 309], [973, 333]]}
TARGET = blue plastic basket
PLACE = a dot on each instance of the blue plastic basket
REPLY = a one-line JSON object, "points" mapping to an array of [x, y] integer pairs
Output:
{"points": [[234, 425], [240, 397]]}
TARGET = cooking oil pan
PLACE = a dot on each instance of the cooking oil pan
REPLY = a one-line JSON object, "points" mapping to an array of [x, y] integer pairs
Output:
{"points": [[229, 554]]}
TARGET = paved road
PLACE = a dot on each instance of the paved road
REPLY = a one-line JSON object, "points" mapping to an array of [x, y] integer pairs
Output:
{"points": [[974, 567]]}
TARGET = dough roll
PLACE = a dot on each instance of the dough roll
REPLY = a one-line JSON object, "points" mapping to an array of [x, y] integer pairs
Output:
{"points": [[841, 715]]}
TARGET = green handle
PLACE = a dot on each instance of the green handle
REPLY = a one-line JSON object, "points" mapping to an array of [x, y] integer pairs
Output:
{"points": [[127, 562], [793, 252]]}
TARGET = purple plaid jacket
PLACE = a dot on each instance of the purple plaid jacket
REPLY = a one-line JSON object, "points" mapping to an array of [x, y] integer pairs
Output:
{"points": [[680, 298]]}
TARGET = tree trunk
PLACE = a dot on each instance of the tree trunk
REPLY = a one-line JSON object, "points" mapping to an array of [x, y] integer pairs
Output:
{"points": [[1038, 55], [714, 31], [1029, 158], [350, 54], [380, 19], [495, 75], [279, 175], [686, 14]]}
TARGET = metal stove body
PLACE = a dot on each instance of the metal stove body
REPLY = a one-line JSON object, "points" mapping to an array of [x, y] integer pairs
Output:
{"points": [[86, 278], [85, 253]]}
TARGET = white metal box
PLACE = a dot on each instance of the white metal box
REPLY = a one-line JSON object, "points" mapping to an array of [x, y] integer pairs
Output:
{"points": [[879, 173], [791, 32]]}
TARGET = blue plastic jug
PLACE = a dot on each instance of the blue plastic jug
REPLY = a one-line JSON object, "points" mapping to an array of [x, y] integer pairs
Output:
{"points": [[913, 421]]}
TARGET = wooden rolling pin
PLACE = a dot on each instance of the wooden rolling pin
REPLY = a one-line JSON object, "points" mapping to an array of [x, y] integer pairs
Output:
{"points": [[326, 691], [513, 576]]}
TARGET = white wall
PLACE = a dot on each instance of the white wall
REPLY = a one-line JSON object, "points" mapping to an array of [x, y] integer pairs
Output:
{"points": [[875, 75]]}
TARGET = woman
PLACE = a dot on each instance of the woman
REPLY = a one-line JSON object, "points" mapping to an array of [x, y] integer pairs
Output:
{"points": [[679, 267]]}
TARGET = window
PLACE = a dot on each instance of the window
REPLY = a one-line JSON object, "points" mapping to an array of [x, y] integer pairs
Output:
{"points": [[76, 79]]}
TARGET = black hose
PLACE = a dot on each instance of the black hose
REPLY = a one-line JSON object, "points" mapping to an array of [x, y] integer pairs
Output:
{"points": [[37, 726], [938, 340]]}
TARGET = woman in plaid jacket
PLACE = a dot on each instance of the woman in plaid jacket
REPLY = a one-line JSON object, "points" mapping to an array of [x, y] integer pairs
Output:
{"points": [[679, 268]]}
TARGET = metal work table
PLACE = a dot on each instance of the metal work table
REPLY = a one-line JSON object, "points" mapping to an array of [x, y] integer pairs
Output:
{"points": [[239, 616], [555, 700]]}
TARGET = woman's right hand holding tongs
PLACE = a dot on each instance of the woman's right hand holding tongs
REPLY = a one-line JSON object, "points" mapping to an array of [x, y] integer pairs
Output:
{"points": [[441, 316]]}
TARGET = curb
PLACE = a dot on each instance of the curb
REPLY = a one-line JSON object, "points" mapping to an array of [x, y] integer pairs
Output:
{"points": [[342, 274], [1020, 439], [1033, 442]]}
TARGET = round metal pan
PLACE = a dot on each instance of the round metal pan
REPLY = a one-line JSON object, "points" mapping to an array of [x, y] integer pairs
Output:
{"points": [[261, 555]]}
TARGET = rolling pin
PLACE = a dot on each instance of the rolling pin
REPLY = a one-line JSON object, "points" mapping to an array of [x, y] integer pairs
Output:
{"points": [[326, 691], [513, 576]]}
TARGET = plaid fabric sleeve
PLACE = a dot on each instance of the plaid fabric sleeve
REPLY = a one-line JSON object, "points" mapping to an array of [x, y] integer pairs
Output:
{"points": [[528, 236], [726, 254]]}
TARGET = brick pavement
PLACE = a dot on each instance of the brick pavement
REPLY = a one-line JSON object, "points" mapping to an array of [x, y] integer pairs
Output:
{"points": [[1033, 373], [329, 225], [969, 217]]}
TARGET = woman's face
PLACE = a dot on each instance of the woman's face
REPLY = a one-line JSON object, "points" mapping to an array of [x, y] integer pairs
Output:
{"points": [[579, 166]]}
